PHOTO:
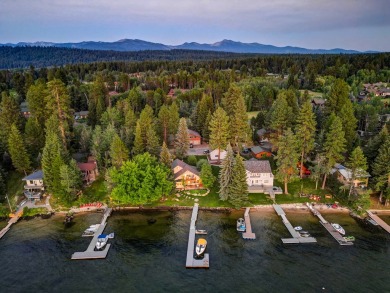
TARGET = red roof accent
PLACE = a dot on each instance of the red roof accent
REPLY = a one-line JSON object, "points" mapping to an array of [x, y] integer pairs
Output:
{"points": [[86, 166]]}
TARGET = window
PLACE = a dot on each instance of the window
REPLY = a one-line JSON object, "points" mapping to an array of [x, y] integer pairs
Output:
{"points": [[31, 182], [265, 181]]}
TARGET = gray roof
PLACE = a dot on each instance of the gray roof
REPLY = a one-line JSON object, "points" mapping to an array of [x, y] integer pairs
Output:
{"points": [[258, 149], [258, 166], [261, 132], [37, 175], [185, 167], [318, 101]]}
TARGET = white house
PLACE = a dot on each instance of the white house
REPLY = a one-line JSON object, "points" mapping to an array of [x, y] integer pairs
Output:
{"points": [[34, 187], [259, 174], [214, 155]]}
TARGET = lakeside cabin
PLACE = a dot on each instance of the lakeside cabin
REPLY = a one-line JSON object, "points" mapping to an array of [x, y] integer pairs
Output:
{"points": [[344, 175], [195, 138], [89, 170], [259, 175], [34, 187], [213, 156], [260, 152], [185, 176]]}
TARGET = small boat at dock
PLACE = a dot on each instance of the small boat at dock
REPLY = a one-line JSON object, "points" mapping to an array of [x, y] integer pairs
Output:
{"points": [[241, 227], [304, 233], [298, 228], [338, 228], [200, 246], [90, 231], [102, 240], [201, 232], [349, 238]]}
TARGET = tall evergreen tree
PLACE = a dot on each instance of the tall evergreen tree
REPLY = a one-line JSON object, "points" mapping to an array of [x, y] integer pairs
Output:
{"points": [[357, 163], [9, 115], [337, 97], [205, 131], [152, 143], [164, 121], [226, 174], [34, 137], [139, 147], [381, 170], [165, 155], [219, 130], [349, 123], [207, 176], [204, 106], [174, 118], [17, 150], [239, 186], [287, 158], [240, 131], [128, 130], [182, 142], [118, 151], [58, 104], [334, 145], [229, 100], [37, 103], [71, 181], [305, 131], [279, 118]]}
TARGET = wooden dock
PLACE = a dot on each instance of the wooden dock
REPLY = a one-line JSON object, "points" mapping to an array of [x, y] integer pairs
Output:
{"points": [[248, 234], [12, 221], [90, 253], [332, 231], [296, 236], [379, 221], [192, 262]]}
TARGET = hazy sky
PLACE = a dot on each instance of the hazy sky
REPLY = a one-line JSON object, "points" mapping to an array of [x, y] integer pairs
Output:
{"points": [[348, 24]]}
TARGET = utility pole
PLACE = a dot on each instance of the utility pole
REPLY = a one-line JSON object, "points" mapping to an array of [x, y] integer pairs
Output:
{"points": [[6, 196]]}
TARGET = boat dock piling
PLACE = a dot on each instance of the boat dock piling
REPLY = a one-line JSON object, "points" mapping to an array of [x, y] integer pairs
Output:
{"points": [[332, 231], [191, 262], [296, 236], [90, 253], [379, 221], [248, 234]]}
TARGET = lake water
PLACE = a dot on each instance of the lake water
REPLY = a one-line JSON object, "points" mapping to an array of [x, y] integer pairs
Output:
{"points": [[144, 257]]}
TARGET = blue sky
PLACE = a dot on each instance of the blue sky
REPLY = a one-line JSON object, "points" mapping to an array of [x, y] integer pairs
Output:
{"points": [[348, 24]]}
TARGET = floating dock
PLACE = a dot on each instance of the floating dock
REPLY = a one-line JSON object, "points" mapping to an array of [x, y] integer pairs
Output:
{"points": [[379, 221], [192, 262], [296, 236], [248, 234], [332, 231], [13, 220], [90, 253]]}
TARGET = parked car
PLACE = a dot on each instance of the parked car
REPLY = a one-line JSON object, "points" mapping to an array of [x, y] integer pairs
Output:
{"points": [[206, 151], [245, 151], [191, 145]]}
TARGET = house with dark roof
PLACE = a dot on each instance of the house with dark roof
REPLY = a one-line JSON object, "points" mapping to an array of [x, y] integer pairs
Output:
{"points": [[185, 176], [81, 115], [34, 187], [89, 170], [258, 174], [195, 138], [344, 175], [24, 109]]}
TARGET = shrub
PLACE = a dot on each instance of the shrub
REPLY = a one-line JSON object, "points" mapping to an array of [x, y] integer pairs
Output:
{"points": [[200, 163], [192, 160]]}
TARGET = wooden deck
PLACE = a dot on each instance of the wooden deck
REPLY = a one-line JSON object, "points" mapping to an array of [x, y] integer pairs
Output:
{"points": [[380, 222], [12, 221], [192, 262], [248, 234], [332, 231], [90, 253], [296, 236]]}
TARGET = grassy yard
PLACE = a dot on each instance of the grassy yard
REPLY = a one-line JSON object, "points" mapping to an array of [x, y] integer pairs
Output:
{"points": [[312, 94], [97, 191], [15, 186]]}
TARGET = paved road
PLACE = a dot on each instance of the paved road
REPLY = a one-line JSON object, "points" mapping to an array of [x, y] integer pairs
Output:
{"points": [[198, 150]]}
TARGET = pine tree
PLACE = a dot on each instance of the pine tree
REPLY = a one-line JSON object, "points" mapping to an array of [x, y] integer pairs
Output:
{"points": [[205, 131], [334, 145], [71, 180], [118, 151], [36, 102], [226, 174], [164, 121], [174, 119], [279, 118], [305, 131], [349, 123], [337, 97], [85, 138], [381, 170], [139, 147], [152, 143], [219, 130], [182, 142], [52, 160], [204, 106], [229, 100], [128, 129], [207, 176], [357, 163], [239, 185], [34, 137], [287, 158], [9, 115], [58, 104], [371, 150], [165, 155], [17, 150], [240, 131]]}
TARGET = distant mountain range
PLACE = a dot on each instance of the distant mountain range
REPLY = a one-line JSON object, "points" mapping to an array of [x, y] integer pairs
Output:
{"points": [[222, 46]]}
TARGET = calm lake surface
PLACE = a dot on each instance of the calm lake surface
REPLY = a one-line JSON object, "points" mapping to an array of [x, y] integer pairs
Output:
{"points": [[144, 257]]}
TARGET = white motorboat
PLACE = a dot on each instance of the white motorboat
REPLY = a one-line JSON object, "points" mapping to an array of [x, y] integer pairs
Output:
{"points": [[200, 246], [102, 240], [298, 228], [338, 228], [304, 233], [90, 231], [241, 227]]}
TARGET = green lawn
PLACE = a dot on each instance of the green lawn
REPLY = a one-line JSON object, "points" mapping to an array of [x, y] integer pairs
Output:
{"points": [[97, 191], [14, 186], [313, 94]]}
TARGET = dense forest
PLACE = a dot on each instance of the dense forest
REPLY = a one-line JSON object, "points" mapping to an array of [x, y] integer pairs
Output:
{"points": [[137, 110]]}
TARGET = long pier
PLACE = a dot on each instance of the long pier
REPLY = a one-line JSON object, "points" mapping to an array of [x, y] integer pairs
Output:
{"points": [[12, 221], [192, 262], [332, 231], [248, 234], [380, 222], [296, 236], [90, 253]]}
